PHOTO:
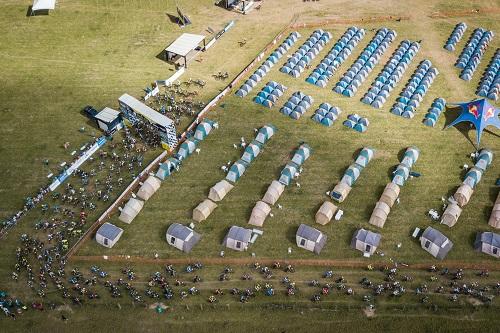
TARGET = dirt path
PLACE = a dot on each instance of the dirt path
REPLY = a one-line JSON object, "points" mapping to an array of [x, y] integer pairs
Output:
{"points": [[268, 261]]}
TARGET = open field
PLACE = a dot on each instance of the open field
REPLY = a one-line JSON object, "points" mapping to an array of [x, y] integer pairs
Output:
{"points": [[90, 52]]}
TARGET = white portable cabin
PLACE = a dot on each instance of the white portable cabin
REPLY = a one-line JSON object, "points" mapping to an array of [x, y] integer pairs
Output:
{"points": [[435, 243], [237, 238], [182, 237], [310, 238], [108, 234], [108, 119], [489, 243]]}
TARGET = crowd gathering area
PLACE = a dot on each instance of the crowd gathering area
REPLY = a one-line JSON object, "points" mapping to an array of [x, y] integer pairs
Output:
{"points": [[341, 165]]}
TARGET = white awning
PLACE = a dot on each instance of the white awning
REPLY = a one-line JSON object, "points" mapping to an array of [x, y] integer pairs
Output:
{"points": [[185, 44], [43, 5], [107, 115]]}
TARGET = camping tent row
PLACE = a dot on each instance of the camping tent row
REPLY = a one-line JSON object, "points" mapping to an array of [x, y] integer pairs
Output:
{"points": [[403, 169], [489, 86], [148, 188], [455, 37], [273, 192], [384, 205], [436, 243], [326, 114], [273, 58], [181, 237], [259, 214], [391, 74], [489, 243], [310, 238], [336, 56], [271, 92], [412, 95], [289, 172], [356, 122], [365, 241], [432, 115], [473, 52], [108, 234], [251, 152], [351, 175], [187, 148], [131, 210], [494, 220], [204, 129], [297, 105], [296, 64], [358, 72]]}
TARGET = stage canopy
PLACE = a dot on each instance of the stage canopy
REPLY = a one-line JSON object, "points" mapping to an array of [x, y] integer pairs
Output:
{"points": [[478, 112]]}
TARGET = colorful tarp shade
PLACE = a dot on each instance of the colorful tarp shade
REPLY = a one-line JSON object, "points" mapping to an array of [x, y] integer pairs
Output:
{"points": [[480, 113]]}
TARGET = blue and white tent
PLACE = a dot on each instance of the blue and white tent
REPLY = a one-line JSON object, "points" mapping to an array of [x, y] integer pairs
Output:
{"points": [[365, 156], [288, 173], [351, 175], [302, 154], [473, 177], [401, 174], [236, 171], [167, 168], [252, 150], [204, 128], [265, 133], [484, 159], [187, 148]]}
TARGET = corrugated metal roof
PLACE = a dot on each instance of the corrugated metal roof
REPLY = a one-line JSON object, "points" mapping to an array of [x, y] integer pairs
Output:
{"points": [[107, 115], [185, 44]]}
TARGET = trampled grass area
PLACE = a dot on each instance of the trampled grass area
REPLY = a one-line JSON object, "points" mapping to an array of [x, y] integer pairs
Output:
{"points": [[442, 155]]}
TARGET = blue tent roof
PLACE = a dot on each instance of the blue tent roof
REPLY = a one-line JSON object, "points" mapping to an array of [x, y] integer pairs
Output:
{"points": [[480, 113]]}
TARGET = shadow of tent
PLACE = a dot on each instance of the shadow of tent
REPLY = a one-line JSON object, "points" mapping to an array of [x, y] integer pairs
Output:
{"points": [[451, 113], [41, 12], [291, 232], [173, 18]]}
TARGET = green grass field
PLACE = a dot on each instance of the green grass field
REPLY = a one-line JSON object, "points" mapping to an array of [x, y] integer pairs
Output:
{"points": [[90, 52]]}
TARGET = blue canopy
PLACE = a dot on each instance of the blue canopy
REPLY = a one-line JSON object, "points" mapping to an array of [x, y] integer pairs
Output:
{"points": [[480, 113]]}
